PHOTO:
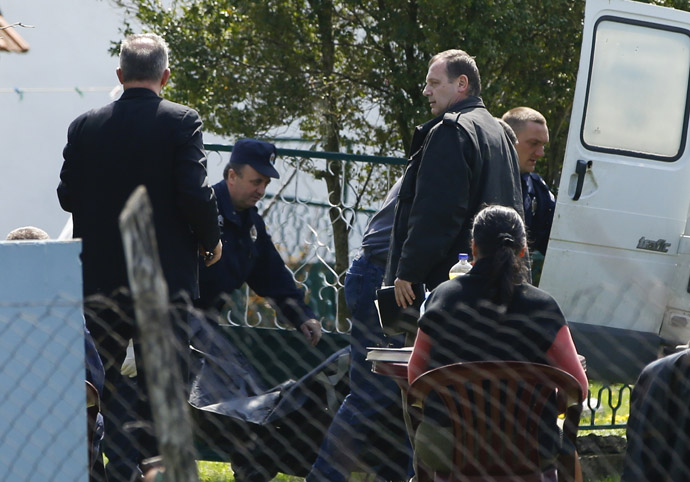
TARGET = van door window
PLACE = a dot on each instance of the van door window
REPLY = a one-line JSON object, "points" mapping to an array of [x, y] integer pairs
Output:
{"points": [[637, 94]]}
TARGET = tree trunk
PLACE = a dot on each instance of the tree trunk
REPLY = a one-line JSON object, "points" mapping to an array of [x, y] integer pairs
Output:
{"points": [[559, 136], [331, 135]]}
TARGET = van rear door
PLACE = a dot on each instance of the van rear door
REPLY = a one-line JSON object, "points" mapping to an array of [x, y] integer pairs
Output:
{"points": [[618, 258]]}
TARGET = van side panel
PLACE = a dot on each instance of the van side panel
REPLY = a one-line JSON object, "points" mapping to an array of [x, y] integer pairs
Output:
{"points": [[617, 261]]}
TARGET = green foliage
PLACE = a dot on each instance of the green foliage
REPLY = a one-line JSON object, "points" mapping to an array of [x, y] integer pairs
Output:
{"points": [[222, 472], [351, 72], [215, 472]]}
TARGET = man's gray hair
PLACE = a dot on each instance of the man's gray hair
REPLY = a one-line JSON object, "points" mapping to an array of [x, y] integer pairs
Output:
{"points": [[459, 62], [143, 57], [519, 116]]}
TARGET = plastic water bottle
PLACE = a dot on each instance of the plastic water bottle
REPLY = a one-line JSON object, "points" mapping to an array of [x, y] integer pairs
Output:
{"points": [[461, 267]]}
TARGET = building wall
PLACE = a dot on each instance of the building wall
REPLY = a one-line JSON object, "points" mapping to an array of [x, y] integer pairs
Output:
{"points": [[66, 72], [43, 416], [68, 51]]}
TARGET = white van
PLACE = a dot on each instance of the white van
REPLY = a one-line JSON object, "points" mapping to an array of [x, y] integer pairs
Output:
{"points": [[618, 259]]}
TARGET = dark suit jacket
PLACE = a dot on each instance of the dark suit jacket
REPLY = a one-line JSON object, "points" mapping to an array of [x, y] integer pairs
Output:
{"points": [[138, 139]]}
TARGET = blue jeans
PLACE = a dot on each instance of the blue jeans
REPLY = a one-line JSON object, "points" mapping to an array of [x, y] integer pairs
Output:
{"points": [[373, 407]]}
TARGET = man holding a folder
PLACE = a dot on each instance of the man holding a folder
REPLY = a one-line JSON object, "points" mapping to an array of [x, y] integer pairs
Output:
{"points": [[461, 160]]}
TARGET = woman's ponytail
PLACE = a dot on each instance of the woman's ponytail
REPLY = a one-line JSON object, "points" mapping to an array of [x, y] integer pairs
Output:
{"points": [[499, 234]]}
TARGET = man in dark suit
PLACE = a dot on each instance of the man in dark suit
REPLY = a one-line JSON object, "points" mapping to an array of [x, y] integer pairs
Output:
{"points": [[138, 139]]}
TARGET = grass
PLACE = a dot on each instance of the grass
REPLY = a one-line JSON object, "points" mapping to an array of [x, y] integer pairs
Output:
{"points": [[222, 472], [611, 404], [215, 472]]}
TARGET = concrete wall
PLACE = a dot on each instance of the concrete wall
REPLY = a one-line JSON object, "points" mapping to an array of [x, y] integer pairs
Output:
{"points": [[42, 393]]}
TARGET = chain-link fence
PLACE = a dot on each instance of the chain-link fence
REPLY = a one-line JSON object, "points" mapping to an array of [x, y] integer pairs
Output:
{"points": [[260, 397], [43, 415], [317, 233]]}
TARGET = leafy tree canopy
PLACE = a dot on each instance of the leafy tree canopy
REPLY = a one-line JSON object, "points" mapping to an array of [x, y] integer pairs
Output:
{"points": [[351, 72]]}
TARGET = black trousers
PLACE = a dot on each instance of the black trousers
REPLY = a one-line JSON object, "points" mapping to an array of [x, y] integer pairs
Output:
{"points": [[129, 431]]}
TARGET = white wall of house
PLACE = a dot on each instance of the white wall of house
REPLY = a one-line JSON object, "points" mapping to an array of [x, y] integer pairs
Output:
{"points": [[68, 51], [66, 72]]}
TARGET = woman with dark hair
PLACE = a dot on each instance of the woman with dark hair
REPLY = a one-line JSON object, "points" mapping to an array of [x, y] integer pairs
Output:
{"points": [[492, 313]]}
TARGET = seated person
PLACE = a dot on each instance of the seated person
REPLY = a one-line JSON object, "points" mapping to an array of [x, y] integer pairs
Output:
{"points": [[658, 430], [492, 313]]}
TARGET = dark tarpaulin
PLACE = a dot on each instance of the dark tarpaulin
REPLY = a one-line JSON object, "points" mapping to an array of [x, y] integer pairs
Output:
{"points": [[260, 430]]}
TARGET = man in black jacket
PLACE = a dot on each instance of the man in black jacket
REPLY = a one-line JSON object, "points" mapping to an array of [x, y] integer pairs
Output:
{"points": [[461, 160], [138, 139], [658, 430]]}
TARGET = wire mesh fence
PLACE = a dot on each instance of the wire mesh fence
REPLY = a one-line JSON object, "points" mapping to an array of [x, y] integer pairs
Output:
{"points": [[43, 419], [317, 228], [259, 396], [261, 399]]}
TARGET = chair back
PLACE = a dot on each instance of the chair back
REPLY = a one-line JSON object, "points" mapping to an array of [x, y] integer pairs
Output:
{"points": [[495, 409]]}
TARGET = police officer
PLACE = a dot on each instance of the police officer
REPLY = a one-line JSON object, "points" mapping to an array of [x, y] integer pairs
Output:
{"points": [[248, 252], [538, 201], [532, 134]]}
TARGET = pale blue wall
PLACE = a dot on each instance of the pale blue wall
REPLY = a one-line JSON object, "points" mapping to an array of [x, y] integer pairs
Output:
{"points": [[42, 393]]}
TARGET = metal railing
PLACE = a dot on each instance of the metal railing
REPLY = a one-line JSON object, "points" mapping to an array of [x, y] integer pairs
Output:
{"points": [[607, 407], [297, 210]]}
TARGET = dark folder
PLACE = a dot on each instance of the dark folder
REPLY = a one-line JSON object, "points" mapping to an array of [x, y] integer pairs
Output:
{"points": [[394, 319]]}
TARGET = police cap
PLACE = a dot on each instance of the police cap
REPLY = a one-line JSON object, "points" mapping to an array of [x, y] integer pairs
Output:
{"points": [[261, 155]]}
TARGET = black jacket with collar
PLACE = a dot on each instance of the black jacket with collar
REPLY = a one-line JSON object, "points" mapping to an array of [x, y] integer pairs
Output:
{"points": [[138, 139], [249, 256], [460, 161]]}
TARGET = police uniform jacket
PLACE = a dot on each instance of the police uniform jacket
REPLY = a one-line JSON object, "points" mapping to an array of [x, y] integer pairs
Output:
{"points": [[460, 161], [249, 256], [539, 203]]}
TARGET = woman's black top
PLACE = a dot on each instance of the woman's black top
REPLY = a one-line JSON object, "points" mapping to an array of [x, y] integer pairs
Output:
{"points": [[464, 326]]}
